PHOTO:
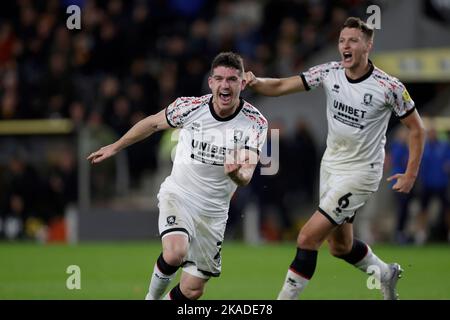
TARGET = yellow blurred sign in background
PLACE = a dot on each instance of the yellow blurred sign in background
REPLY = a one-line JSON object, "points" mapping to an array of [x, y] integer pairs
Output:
{"points": [[420, 65]]}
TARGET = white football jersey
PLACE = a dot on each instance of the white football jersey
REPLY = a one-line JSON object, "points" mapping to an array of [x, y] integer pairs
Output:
{"points": [[204, 139], [358, 113]]}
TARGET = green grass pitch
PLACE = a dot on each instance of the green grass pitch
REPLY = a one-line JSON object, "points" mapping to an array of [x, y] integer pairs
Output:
{"points": [[122, 270]]}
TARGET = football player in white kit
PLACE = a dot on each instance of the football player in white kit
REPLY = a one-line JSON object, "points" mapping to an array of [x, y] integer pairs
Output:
{"points": [[220, 139], [360, 100]]}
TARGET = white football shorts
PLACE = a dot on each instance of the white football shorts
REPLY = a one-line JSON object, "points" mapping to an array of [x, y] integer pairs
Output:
{"points": [[205, 233], [341, 195]]}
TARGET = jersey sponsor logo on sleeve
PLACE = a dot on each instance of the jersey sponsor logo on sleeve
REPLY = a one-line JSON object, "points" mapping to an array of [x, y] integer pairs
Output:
{"points": [[406, 96]]}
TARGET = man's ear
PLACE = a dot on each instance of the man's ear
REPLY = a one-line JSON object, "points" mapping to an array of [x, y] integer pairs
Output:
{"points": [[369, 45], [210, 82], [243, 84]]}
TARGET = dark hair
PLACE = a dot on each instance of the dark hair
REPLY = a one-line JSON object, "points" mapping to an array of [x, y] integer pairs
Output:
{"points": [[357, 23], [228, 59]]}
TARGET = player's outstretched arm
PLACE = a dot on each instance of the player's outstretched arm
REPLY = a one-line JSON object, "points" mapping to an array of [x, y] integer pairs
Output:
{"points": [[241, 166], [416, 143], [139, 131], [274, 87]]}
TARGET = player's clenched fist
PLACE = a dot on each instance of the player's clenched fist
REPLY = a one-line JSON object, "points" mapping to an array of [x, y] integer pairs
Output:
{"points": [[250, 78]]}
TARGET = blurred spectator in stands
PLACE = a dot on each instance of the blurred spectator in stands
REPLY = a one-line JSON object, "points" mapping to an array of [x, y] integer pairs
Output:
{"points": [[57, 88], [434, 177], [198, 42], [310, 42], [119, 117], [118, 33], [54, 197], [116, 11], [271, 190], [45, 25], [109, 53], [248, 14], [62, 42], [317, 13], [9, 79], [63, 179], [275, 11], [222, 26], [167, 82], [21, 198], [137, 98], [303, 156], [141, 33], [109, 89], [77, 113], [285, 47], [83, 60], [100, 134], [189, 9], [338, 17], [142, 156], [397, 161], [261, 63], [143, 89], [60, 190], [7, 43], [9, 107], [191, 77]]}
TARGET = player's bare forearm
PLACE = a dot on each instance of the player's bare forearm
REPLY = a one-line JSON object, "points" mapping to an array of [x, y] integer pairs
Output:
{"points": [[416, 146], [242, 174], [416, 143], [241, 165], [139, 131], [274, 87]]}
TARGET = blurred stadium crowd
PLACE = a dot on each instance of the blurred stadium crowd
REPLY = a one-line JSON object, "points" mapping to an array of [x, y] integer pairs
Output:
{"points": [[131, 59]]}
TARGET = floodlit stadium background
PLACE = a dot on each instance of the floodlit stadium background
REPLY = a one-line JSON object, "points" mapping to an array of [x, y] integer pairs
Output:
{"points": [[65, 92]]}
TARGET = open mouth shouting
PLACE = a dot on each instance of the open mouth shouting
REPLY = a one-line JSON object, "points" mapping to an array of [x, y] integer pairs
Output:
{"points": [[225, 96], [347, 56]]}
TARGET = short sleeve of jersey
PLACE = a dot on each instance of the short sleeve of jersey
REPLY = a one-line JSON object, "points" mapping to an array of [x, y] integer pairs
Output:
{"points": [[178, 111], [257, 136], [399, 100], [315, 76]]}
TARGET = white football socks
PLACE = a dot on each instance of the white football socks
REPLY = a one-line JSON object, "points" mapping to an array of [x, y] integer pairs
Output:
{"points": [[372, 264], [293, 285], [158, 284]]}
